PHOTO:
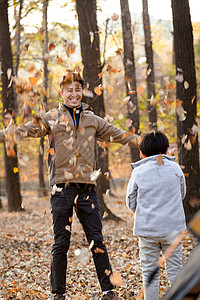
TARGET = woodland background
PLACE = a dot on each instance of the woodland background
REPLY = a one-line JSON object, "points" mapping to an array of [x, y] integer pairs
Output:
{"points": [[141, 74]]}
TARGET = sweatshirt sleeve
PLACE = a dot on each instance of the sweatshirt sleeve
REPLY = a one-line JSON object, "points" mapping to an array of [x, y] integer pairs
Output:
{"points": [[39, 127], [110, 133], [181, 176], [131, 193]]}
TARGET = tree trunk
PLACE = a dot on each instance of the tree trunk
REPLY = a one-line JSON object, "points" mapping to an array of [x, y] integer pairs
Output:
{"points": [[18, 37], [45, 59], [90, 51], [188, 148], [130, 76], [150, 67], [9, 106]]}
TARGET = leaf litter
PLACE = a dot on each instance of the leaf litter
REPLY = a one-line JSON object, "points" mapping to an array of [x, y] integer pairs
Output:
{"points": [[26, 239]]}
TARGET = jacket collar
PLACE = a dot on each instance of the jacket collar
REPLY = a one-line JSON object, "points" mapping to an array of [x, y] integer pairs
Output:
{"points": [[62, 108], [151, 158]]}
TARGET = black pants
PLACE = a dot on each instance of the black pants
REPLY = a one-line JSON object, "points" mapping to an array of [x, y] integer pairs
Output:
{"points": [[87, 210]]}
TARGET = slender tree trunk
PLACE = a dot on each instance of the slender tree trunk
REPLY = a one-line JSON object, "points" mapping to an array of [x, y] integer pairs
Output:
{"points": [[150, 67], [130, 75], [9, 106], [18, 37], [188, 148], [45, 59], [90, 50]]}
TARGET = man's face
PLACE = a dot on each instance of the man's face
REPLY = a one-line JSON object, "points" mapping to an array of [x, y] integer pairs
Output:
{"points": [[72, 94]]}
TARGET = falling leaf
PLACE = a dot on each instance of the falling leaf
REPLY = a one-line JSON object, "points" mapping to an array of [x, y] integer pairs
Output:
{"points": [[179, 78], [179, 70], [91, 37], [75, 199], [110, 70], [43, 91], [119, 51], [168, 102], [120, 116], [95, 174], [98, 250], [129, 122], [126, 100], [119, 202], [59, 60], [140, 90], [9, 72], [11, 152], [195, 129], [132, 92], [98, 89], [26, 46], [68, 175], [88, 93], [105, 214], [51, 46], [186, 85], [197, 120], [15, 170], [188, 145], [68, 228], [116, 279], [142, 60], [108, 118], [110, 89], [148, 71], [153, 100], [41, 30], [55, 188], [107, 272], [91, 245], [115, 17], [51, 151], [192, 101], [31, 68], [147, 26], [100, 75], [159, 160], [180, 111], [33, 81], [131, 107], [71, 48]]}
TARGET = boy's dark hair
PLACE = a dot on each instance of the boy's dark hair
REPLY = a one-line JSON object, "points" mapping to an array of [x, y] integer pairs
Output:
{"points": [[153, 142], [71, 77]]}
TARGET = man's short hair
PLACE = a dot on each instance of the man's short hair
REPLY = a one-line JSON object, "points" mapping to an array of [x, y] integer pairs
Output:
{"points": [[70, 77], [153, 142]]}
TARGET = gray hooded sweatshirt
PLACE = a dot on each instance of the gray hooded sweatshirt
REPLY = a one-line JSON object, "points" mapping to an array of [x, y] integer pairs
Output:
{"points": [[155, 193]]}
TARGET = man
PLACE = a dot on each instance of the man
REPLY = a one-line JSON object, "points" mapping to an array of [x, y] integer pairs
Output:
{"points": [[73, 131]]}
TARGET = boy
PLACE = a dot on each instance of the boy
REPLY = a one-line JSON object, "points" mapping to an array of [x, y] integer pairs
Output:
{"points": [[155, 193], [72, 132]]}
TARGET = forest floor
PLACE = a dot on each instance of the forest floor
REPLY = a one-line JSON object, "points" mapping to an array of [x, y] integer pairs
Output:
{"points": [[25, 252]]}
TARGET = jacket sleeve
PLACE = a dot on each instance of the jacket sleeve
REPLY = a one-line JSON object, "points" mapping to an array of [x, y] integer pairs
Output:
{"points": [[131, 193], [39, 127], [110, 133]]}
